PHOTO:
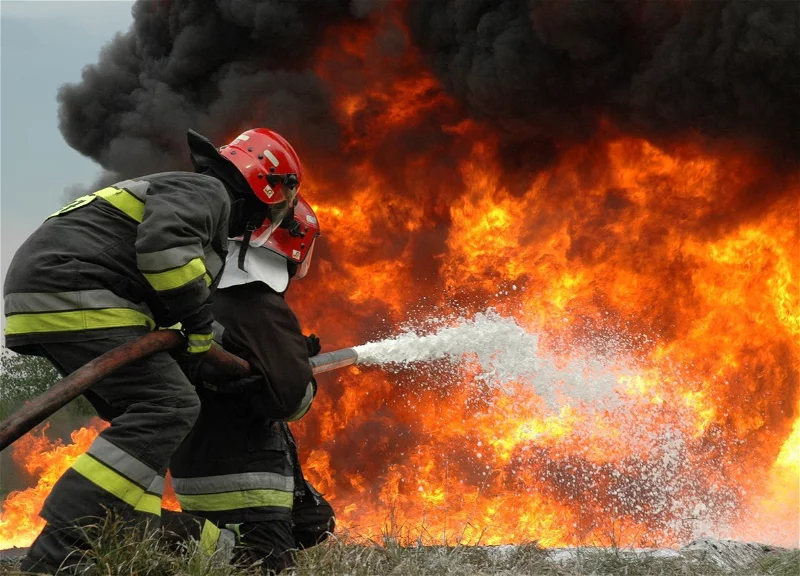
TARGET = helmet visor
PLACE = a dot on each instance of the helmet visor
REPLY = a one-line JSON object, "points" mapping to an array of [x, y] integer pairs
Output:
{"points": [[302, 270], [278, 212]]}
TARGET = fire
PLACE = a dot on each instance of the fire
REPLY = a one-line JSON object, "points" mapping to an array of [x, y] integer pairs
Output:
{"points": [[673, 262], [657, 246], [46, 460]]}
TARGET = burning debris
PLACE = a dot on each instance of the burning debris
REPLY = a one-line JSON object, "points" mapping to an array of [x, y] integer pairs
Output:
{"points": [[613, 173]]}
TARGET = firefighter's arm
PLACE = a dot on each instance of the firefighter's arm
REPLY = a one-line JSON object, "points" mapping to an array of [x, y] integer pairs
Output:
{"points": [[269, 336], [182, 215]]}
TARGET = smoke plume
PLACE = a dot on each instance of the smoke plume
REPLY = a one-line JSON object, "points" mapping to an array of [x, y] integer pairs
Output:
{"points": [[537, 72], [215, 67], [544, 70]]}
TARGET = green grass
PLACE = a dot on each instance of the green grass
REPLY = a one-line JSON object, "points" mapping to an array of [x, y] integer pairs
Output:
{"points": [[118, 551]]}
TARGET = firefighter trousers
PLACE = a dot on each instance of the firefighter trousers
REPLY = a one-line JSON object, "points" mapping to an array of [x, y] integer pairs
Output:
{"points": [[151, 407], [270, 544]]}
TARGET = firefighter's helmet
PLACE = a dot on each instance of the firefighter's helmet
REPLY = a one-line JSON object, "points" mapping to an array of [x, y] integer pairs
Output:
{"points": [[268, 163]]}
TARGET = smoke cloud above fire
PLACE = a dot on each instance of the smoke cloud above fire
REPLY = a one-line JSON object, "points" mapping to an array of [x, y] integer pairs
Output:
{"points": [[554, 70], [217, 67], [539, 72]]}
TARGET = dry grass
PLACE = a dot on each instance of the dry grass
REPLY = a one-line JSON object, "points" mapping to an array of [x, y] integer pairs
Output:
{"points": [[120, 551]]}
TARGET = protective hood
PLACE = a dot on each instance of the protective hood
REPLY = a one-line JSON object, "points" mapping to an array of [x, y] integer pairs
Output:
{"points": [[260, 265], [205, 157]]}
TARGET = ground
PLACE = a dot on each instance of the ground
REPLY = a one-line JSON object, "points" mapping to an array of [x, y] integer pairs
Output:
{"points": [[340, 557]]}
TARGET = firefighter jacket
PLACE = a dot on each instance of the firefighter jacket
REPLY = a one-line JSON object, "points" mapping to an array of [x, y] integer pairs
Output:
{"points": [[142, 253], [238, 463]]}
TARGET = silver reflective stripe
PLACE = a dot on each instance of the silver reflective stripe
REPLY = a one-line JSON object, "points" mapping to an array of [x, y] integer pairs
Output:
{"points": [[136, 187], [27, 302], [156, 486], [119, 460], [305, 403], [226, 544], [218, 330], [168, 259], [200, 339], [213, 263], [233, 483]]}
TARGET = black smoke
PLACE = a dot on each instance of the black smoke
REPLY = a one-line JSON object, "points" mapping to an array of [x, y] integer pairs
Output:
{"points": [[552, 70], [541, 73], [217, 67]]}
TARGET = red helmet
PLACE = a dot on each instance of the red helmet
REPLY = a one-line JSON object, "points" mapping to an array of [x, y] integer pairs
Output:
{"points": [[295, 239], [268, 163]]}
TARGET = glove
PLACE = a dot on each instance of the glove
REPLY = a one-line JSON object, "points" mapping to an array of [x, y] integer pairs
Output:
{"points": [[197, 330], [191, 364], [313, 345], [247, 385]]}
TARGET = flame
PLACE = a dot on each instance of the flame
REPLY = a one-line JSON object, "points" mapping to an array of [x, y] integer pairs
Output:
{"points": [[658, 246], [46, 460], [681, 256]]}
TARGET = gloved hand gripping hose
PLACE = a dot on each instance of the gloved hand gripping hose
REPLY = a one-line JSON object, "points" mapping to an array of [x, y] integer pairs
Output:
{"points": [[69, 388]]}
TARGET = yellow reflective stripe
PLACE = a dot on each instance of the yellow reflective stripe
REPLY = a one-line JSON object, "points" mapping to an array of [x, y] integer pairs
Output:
{"points": [[200, 339], [176, 277], [108, 479], [235, 500], [192, 349], [300, 414], [305, 403], [149, 503], [209, 537], [74, 320], [207, 278], [198, 349], [75, 204], [198, 343], [124, 201]]}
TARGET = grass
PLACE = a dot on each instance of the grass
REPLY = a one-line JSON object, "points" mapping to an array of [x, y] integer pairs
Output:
{"points": [[780, 564], [339, 557], [117, 551], [121, 550]]}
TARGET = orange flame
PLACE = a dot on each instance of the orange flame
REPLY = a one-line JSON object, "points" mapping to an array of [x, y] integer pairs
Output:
{"points": [[46, 460]]}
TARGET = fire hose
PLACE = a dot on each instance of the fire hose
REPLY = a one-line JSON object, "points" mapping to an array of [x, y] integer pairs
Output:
{"points": [[75, 384]]}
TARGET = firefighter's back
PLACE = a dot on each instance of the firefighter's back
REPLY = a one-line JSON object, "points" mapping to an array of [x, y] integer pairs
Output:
{"points": [[77, 275]]}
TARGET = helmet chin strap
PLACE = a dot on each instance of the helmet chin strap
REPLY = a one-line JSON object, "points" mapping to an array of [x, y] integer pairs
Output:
{"points": [[254, 221]]}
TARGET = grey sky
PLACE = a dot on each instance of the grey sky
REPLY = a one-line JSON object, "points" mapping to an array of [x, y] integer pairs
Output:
{"points": [[43, 44]]}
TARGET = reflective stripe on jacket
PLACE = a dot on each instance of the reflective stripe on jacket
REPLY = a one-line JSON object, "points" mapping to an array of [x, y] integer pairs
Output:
{"points": [[145, 252]]}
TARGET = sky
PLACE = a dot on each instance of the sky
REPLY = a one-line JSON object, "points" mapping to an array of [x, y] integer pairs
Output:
{"points": [[43, 45]]}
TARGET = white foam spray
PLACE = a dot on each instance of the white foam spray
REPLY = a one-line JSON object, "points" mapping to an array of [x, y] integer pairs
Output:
{"points": [[502, 350], [591, 376]]}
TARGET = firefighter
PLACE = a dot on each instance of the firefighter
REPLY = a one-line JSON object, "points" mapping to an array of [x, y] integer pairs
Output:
{"points": [[238, 467], [141, 254]]}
